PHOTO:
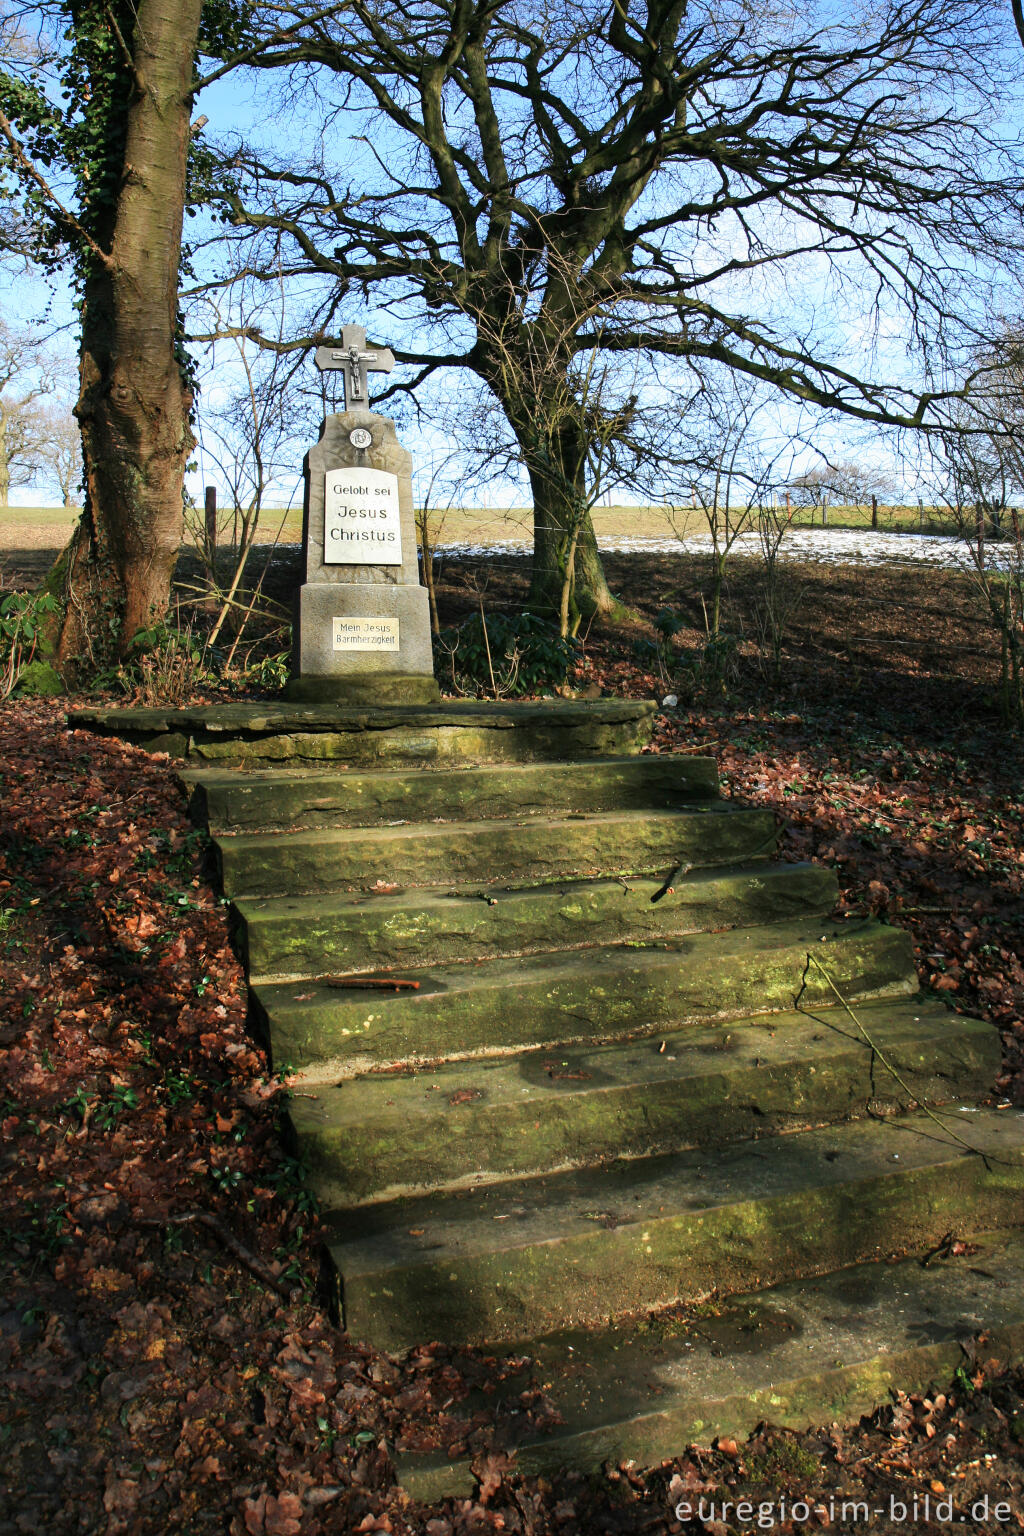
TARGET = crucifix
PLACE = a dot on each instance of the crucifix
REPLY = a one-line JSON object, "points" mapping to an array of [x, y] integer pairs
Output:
{"points": [[354, 362]]}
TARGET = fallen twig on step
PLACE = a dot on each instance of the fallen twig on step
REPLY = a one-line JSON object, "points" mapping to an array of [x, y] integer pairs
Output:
{"points": [[668, 888], [374, 983], [911, 1095]]}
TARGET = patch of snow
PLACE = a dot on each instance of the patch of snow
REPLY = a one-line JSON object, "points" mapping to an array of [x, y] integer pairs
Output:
{"points": [[824, 546]]}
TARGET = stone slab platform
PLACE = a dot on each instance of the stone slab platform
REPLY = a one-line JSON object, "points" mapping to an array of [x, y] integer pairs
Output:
{"points": [[277, 733], [826, 1349], [529, 852], [294, 936], [466, 1123], [229, 802], [509, 1261], [498, 1007]]}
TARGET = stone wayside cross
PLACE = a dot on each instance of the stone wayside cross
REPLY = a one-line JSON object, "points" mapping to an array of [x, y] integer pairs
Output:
{"points": [[355, 363], [362, 632]]}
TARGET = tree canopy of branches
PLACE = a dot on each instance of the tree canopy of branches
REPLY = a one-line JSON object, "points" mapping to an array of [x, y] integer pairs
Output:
{"points": [[716, 184]]}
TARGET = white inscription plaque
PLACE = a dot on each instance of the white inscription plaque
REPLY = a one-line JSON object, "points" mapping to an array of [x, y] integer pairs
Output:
{"points": [[361, 522], [366, 634]]}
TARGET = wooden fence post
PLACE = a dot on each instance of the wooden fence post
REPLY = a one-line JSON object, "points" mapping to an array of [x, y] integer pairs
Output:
{"points": [[211, 522]]}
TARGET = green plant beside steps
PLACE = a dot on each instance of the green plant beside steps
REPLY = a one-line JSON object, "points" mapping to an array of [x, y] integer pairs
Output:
{"points": [[504, 655], [23, 617], [165, 665]]}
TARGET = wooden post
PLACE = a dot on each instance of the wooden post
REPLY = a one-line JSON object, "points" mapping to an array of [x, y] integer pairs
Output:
{"points": [[211, 522], [874, 511]]}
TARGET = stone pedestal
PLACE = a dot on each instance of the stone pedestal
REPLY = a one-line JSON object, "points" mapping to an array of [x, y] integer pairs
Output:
{"points": [[362, 632]]}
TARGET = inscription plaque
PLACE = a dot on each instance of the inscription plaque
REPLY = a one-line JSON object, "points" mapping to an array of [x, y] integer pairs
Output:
{"points": [[366, 634], [361, 519]]}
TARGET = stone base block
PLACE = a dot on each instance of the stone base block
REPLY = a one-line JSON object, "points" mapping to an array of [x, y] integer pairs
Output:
{"points": [[361, 643], [376, 688]]}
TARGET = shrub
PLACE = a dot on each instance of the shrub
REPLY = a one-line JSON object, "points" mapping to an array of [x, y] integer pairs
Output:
{"points": [[164, 666], [270, 672], [515, 654], [716, 667], [22, 619]]}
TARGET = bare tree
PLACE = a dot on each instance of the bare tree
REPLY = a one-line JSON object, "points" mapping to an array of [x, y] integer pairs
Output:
{"points": [[248, 439], [437, 494], [693, 166], [735, 458], [779, 594], [844, 483], [976, 496], [28, 377], [725, 477], [61, 451], [976, 474]]}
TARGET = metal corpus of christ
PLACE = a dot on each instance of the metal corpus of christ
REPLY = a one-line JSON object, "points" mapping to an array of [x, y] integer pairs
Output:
{"points": [[355, 363]]}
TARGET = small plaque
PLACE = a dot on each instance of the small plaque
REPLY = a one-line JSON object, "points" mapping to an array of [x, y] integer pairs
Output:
{"points": [[359, 437], [366, 634], [361, 521]]}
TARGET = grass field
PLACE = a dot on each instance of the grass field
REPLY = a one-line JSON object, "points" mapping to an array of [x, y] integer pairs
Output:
{"points": [[49, 527]]}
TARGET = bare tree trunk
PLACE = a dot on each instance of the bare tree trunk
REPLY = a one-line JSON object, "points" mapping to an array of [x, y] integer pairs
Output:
{"points": [[427, 559], [565, 553], [5, 468], [134, 402], [563, 531]]}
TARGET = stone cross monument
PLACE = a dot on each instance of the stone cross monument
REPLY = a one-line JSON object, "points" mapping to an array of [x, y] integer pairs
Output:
{"points": [[363, 630]]}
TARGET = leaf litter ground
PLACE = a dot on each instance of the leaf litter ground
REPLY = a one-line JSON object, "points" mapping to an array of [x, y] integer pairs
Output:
{"points": [[166, 1363]]}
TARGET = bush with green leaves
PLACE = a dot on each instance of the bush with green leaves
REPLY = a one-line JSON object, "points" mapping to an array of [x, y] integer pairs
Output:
{"points": [[23, 617], [165, 665], [270, 672], [716, 667], [504, 655]]}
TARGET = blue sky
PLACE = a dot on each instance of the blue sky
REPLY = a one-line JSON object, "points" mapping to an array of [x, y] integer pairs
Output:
{"points": [[249, 105]]}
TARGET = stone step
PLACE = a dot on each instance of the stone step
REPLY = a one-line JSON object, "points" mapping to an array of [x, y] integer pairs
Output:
{"points": [[526, 851], [815, 1351], [525, 1257], [473, 1122], [496, 1007], [231, 802], [280, 734], [293, 936]]}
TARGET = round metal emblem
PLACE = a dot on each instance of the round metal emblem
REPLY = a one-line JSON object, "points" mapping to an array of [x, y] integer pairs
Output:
{"points": [[360, 438]]}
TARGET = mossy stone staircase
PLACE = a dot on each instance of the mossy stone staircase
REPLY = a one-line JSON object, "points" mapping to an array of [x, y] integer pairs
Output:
{"points": [[634, 1063]]}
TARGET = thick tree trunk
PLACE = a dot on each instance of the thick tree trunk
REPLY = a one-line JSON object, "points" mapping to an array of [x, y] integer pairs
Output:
{"points": [[558, 519], [564, 544], [134, 403]]}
